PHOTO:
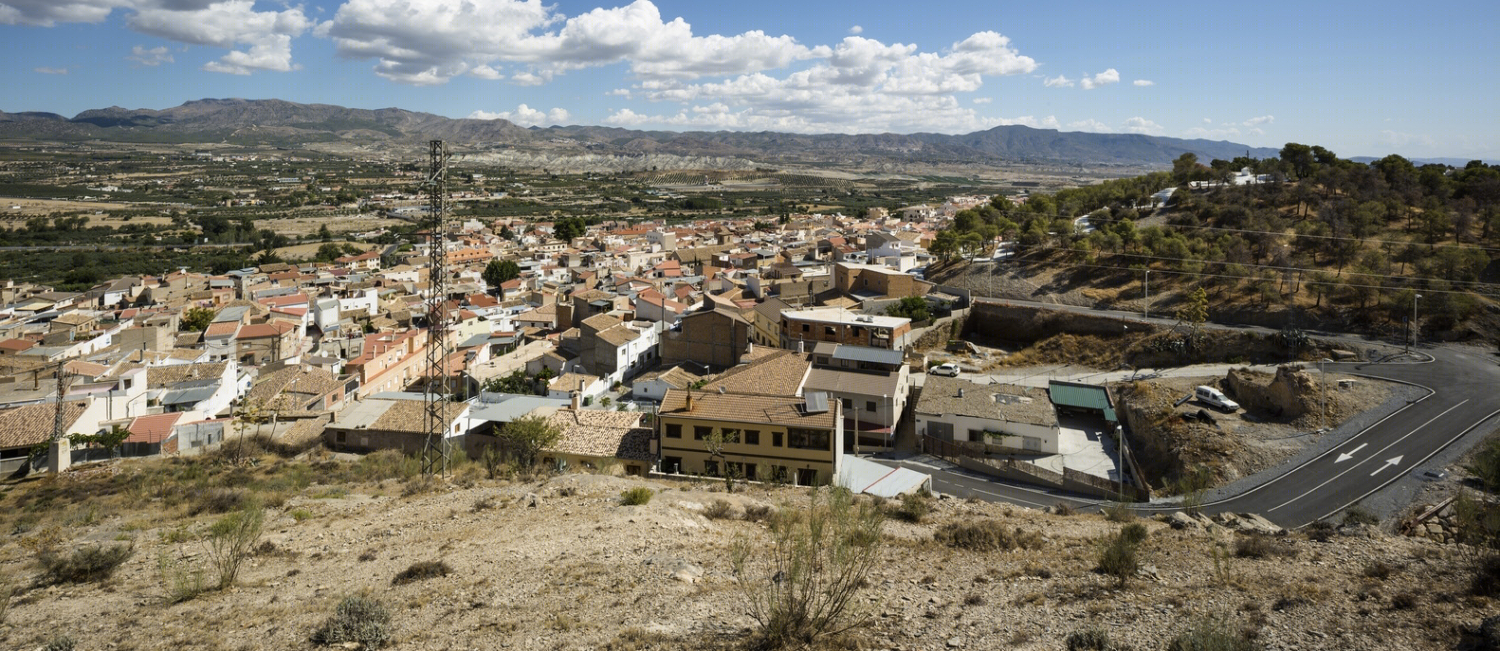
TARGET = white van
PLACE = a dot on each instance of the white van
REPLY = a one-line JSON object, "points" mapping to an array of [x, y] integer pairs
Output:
{"points": [[1215, 398]]}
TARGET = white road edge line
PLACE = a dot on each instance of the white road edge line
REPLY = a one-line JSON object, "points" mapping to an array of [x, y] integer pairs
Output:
{"points": [[1430, 393], [1419, 462], [1382, 451]]}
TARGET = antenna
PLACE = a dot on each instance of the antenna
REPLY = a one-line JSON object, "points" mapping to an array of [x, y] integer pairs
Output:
{"points": [[435, 402]]}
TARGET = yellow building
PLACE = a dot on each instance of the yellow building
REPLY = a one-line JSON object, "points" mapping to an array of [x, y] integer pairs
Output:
{"points": [[773, 438]]}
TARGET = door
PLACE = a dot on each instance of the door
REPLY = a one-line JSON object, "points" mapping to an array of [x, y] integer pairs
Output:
{"points": [[940, 430]]}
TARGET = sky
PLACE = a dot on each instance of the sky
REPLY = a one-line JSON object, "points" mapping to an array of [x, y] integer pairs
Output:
{"points": [[1360, 78]]}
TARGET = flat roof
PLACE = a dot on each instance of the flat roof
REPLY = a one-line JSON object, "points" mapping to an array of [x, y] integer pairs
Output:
{"points": [[843, 316]]}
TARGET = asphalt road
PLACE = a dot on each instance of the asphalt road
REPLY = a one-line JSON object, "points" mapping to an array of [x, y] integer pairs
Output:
{"points": [[1463, 393]]}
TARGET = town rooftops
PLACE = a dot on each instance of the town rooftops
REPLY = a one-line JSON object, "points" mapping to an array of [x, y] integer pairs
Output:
{"points": [[29, 425], [1000, 402], [846, 317], [596, 433], [152, 429], [789, 411]]}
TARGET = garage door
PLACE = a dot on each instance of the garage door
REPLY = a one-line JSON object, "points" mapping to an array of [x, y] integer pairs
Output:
{"points": [[938, 430]]}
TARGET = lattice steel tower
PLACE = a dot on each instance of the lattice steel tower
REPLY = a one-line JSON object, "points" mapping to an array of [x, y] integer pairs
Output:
{"points": [[435, 397]]}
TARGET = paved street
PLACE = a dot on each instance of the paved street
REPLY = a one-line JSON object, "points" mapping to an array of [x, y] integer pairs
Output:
{"points": [[1461, 397]]}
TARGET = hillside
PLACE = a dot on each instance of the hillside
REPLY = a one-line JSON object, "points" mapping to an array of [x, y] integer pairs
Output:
{"points": [[277, 122], [572, 568]]}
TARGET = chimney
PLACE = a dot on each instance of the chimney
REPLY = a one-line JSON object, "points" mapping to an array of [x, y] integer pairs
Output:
{"points": [[689, 399], [577, 397], [799, 347]]}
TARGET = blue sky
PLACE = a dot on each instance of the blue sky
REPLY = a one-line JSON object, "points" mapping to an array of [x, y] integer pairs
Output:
{"points": [[1365, 78]]}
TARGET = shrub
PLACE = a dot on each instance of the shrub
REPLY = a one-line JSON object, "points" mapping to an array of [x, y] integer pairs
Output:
{"points": [[802, 587], [635, 496], [1320, 531], [985, 536], [300, 514], [1253, 546], [1378, 570], [718, 510], [1404, 600], [913, 508], [232, 539], [60, 643], [1357, 515], [357, 619], [1092, 638], [1486, 465], [1118, 554], [422, 571], [1119, 512], [182, 580], [1063, 509], [1210, 634], [85, 565], [759, 512], [218, 500]]}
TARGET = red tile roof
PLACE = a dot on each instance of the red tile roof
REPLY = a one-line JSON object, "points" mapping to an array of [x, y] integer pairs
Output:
{"points": [[259, 330], [152, 429]]}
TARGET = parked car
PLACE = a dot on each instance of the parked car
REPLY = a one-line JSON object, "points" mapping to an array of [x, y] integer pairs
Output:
{"points": [[1215, 398], [949, 369]]}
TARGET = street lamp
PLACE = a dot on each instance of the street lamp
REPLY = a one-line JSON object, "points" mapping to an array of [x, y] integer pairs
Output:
{"points": [[1414, 329], [1146, 297], [1323, 410]]}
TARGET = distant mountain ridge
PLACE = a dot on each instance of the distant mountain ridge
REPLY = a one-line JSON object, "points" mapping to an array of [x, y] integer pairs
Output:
{"points": [[282, 123]]}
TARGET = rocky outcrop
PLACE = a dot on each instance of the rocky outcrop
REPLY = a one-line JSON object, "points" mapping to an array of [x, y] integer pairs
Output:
{"points": [[1290, 394]]}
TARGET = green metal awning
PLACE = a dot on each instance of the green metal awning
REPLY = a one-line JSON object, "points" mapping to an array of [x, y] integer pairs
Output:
{"points": [[1081, 396]]}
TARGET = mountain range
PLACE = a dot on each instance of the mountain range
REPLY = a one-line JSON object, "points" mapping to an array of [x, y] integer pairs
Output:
{"points": [[289, 124]]}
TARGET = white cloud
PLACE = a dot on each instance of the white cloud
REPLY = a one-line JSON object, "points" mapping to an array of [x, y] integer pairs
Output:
{"points": [[152, 57], [47, 13], [1260, 121], [267, 35], [50, 71], [620, 92], [1059, 81], [1092, 125], [1143, 82], [856, 30], [1110, 76], [1207, 121], [1142, 125], [525, 116], [983, 100], [438, 39]]}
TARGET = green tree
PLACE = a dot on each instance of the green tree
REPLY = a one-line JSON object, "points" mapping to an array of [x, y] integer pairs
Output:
{"points": [[1195, 309], [328, 252], [528, 436], [196, 319], [569, 228], [911, 307], [499, 271], [324, 234]]}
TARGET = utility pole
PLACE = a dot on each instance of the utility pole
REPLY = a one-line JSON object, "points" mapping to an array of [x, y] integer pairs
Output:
{"points": [[1146, 297], [1414, 329], [434, 398], [1323, 411]]}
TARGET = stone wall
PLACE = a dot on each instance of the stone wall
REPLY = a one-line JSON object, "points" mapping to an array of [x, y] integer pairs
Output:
{"points": [[1288, 395]]}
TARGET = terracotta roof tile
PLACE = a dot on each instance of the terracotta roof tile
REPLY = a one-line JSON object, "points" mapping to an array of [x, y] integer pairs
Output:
{"points": [[738, 408]]}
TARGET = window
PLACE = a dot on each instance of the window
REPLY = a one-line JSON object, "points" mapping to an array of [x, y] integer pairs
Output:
{"points": [[776, 439], [674, 431], [731, 435], [870, 406], [700, 432], [976, 435], [752, 437], [804, 327], [829, 331], [848, 403], [711, 468], [339, 438], [807, 439], [749, 472], [671, 464]]}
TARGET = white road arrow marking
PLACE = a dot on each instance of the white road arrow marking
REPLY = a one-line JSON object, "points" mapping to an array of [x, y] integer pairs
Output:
{"points": [[1388, 463], [1345, 456]]}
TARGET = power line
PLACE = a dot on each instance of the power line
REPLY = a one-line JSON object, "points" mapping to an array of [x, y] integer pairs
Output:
{"points": [[1414, 279], [1202, 274], [1306, 235]]}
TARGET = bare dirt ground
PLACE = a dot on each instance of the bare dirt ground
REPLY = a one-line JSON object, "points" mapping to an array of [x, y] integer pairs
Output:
{"points": [[307, 251], [1251, 440], [337, 224], [581, 571], [34, 207]]}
